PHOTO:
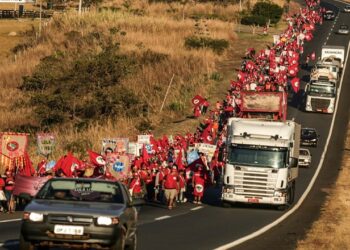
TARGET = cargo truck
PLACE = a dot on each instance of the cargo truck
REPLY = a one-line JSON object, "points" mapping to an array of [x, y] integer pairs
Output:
{"points": [[320, 96], [262, 162]]}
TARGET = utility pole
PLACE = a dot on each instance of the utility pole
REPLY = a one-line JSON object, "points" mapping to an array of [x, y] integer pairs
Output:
{"points": [[41, 8], [80, 5], [166, 94]]}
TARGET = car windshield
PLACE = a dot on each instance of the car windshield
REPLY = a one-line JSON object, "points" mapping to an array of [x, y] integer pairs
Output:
{"points": [[344, 27], [308, 132], [303, 152], [327, 91], [81, 190], [257, 157]]}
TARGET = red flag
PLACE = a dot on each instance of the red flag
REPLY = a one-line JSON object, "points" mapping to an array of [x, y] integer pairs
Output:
{"points": [[197, 100], [313, 56], [154, 144], [196, 164], [145, 155], [292, 70], [68, 164], [96, 159], [178, 161], [295, 84], [28, 167], [206, 134]]}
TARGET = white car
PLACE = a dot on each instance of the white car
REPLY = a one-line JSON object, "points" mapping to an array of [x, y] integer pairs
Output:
{"points": [[343, 29], [347, 8], [304, 157]]}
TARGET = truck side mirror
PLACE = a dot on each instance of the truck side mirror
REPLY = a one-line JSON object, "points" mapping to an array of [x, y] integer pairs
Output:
{"points": [[294, 163]]}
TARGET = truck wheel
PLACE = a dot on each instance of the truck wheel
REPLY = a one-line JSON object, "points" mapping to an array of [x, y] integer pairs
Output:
{"points": [[120, 243], [25, 245]]}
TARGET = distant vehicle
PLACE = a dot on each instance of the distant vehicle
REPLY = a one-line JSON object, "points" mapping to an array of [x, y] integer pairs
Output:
{"points": [[329, 15], [309, 137], [343, 29], [304, 157], [80, 212], [347, 8]]}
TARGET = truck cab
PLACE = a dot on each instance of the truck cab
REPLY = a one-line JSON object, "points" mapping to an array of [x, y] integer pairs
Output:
{"points": [[320, 96], [262, 162]]}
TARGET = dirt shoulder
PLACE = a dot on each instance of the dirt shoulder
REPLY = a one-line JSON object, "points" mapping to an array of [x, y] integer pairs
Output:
{"points": [[332, 229]]}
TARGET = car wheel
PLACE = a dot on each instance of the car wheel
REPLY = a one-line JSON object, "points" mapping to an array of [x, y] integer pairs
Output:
{"points": [[120, 243], [25, 245], [133, 242]]}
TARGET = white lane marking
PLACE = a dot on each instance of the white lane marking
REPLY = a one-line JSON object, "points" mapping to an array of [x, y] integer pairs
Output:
{"points": [[196, 208], [12, 220], [308, 189], [163, 217]]}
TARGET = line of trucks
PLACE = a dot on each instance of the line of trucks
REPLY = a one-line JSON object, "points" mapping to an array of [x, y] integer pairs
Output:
{"points": [[263, 146]]}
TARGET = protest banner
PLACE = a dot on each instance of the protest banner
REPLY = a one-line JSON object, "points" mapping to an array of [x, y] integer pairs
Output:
{"points": [[134, 148], [13, 145], [121, 145], [206, 149], [192, 155], [144, 139], [119, 166], [108, 144], [46, 143]]}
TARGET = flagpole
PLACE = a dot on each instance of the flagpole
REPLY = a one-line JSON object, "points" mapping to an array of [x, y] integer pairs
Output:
{"points": [[166, 94]]}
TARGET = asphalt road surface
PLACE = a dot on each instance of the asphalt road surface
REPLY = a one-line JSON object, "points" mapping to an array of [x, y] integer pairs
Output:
{"points": [[210, 226]]}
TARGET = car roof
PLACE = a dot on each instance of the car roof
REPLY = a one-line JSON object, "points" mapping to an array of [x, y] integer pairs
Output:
{"points": [[84, 179], [309, 129], [304, 149]]}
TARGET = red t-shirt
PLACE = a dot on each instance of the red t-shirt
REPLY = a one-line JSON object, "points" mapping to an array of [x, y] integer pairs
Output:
{"points": [[182, 181], [2, 184], [171, 181]]}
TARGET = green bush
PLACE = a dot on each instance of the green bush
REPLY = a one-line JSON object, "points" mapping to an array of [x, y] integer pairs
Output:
{"points": [[196, 42], [269, 10], [177, 106], [254, 20]]}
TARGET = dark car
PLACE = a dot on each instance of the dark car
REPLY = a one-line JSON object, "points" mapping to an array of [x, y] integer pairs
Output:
{"points": [[80, 212], [343, 29], [309, 137], [329, 15]]}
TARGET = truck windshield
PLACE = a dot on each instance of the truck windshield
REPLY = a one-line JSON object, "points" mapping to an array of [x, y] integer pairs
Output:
{"points": [[257, 157], [327, 91]]}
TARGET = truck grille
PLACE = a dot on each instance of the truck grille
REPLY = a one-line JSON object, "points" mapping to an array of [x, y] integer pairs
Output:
{"points": [[69, 219], [254, 183], [320, 103]]}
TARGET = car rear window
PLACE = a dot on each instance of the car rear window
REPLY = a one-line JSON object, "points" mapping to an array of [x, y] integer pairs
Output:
{"points": [[81, 190]]}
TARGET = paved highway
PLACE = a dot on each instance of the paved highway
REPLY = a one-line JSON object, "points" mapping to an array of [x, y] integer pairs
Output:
{"points": [[210, 226]]}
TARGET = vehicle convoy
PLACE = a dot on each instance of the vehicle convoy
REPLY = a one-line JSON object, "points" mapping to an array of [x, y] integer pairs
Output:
{"points": [[304, 157], [320, 96], [262, 162], [80, 212], [266, 105], [329, 15]]}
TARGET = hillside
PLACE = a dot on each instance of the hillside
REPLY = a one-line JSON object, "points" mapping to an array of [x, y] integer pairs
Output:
{"points": [[106, 73]]}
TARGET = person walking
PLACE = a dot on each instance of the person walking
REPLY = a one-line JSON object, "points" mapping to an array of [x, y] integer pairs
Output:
{"points": [[170, 186], [198, 181], [182, 185]]}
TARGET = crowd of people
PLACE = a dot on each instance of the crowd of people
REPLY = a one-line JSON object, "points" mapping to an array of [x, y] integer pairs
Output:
{"points": [[166, 174]]}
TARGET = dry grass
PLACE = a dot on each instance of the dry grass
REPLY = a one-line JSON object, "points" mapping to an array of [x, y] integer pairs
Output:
{"points": [[158, 30], [332, 229]]}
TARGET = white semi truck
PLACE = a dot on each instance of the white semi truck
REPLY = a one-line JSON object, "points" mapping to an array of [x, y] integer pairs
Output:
{"points": [[320, 96], [262, 162]]}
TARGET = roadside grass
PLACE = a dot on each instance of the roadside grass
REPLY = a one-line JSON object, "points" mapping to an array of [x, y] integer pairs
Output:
{"points": [[332, 229]]}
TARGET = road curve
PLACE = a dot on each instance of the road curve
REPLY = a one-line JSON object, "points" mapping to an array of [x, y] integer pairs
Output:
{"points": [[210, 226]]}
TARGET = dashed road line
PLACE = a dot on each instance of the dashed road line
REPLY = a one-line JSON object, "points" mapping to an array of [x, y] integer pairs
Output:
{"points": [[12, 220], [196, 208], [163, 217]]}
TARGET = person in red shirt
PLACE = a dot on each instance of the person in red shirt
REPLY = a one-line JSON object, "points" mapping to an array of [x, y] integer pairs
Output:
{"points": [[170, 186], [136, 186], [198, 181]]}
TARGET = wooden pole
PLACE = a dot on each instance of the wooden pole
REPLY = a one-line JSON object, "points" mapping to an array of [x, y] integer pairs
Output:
{"points": [[167, 92]]}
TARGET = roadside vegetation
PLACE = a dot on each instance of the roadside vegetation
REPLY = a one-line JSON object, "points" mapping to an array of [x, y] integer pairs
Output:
{"points": [[331, 230], [106, 73]]}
